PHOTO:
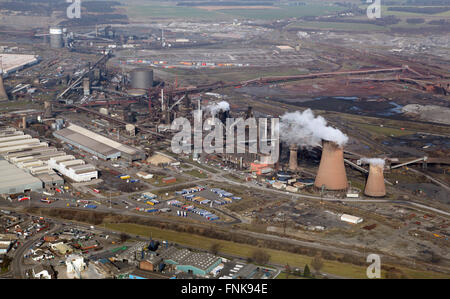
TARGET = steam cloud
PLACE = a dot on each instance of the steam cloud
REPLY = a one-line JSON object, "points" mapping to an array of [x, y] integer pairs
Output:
{"points": [[373, 161], [217, 107], [303, 128]]}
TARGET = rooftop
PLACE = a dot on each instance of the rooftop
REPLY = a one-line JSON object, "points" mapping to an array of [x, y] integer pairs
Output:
{"points": [[11, 176]]}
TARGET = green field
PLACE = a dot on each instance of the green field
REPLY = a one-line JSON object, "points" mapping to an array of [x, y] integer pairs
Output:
{"points": [[384, 131], [197, 173], [157, 9], [244, 250], [283, 11], [337, 26]]}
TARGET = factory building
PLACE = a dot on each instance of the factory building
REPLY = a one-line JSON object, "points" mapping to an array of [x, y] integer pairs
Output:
{"points": [[77, 170], [15, 62], [196, 263], [38, 161], [15, 180], [96, 144]]}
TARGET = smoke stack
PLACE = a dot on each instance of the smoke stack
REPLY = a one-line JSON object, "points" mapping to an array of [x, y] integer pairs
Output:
{"points": [[375, 186], [48, 109], [24, 122], [331, 172], [86, 86], [3, 95], [249, 113], [293, 165]]}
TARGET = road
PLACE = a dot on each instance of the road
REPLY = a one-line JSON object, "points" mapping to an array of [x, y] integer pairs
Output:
{"points": [[17, 266]]}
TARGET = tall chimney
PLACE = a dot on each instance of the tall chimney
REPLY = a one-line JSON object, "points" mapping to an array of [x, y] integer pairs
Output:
{"points": [[24, 122], [375, 186], [293, 165], [331, 172], [3, 95], [48, 109], [249, 113]]}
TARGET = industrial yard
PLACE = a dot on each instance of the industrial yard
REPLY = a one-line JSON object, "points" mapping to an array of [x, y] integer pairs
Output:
{"points": [[89, 135]]}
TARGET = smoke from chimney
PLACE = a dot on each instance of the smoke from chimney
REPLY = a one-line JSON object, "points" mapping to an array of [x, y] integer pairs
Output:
{"points": [[304, 129], [218, 107], [331, 172], [375, 186], [293, 165]]}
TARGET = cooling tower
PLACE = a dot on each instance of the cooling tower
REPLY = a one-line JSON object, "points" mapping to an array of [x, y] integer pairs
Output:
{"points": [[3, 94], [331, 172], [293, 165], [375, 186]]}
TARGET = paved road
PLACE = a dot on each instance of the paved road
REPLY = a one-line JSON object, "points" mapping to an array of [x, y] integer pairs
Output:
{"points": [[17, 267]]}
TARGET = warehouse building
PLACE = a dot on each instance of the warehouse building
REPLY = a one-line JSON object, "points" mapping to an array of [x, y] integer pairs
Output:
{"points": [[76, 170], [34, 157], [14, 180], [197, 263], [97, 144], [15, 62]]}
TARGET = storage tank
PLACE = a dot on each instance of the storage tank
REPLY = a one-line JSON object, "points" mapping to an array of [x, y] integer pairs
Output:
{"points": [[142, 78], [56, 37]]}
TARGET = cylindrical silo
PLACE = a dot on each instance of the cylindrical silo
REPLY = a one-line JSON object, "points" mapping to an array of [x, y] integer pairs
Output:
{"points": [[56, 37], [142, 78]]}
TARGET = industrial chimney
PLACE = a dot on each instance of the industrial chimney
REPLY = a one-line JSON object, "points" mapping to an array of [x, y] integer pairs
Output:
{"points": [[3, 94], [331, 172], [293, 165], [375, 186], [48, 109]]}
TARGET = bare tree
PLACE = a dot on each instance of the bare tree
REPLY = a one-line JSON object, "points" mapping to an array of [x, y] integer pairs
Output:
{"points": [[260, 256], [317, 263], [124, 237], [215, 248]]}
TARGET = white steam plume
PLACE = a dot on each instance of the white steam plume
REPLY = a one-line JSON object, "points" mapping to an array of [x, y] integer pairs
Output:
{"points": [[215, 108], [303, 128], [373, 161]]}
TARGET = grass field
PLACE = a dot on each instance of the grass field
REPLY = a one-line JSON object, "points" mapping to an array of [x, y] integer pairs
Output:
{"points": [[197, 173], [384, 131], [244, 250], [338, 26], [157, 9]]}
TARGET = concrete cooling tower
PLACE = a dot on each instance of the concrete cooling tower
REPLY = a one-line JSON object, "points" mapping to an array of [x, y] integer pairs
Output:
{"points": [[331, 172], [293, 165], [375, 186]]}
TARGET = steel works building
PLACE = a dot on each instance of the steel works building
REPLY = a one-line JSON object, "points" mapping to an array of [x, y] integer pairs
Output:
{"points": [[97, 144]]}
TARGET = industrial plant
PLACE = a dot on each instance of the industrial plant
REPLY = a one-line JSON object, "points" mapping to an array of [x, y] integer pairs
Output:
{"points": [[242, 141]]}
